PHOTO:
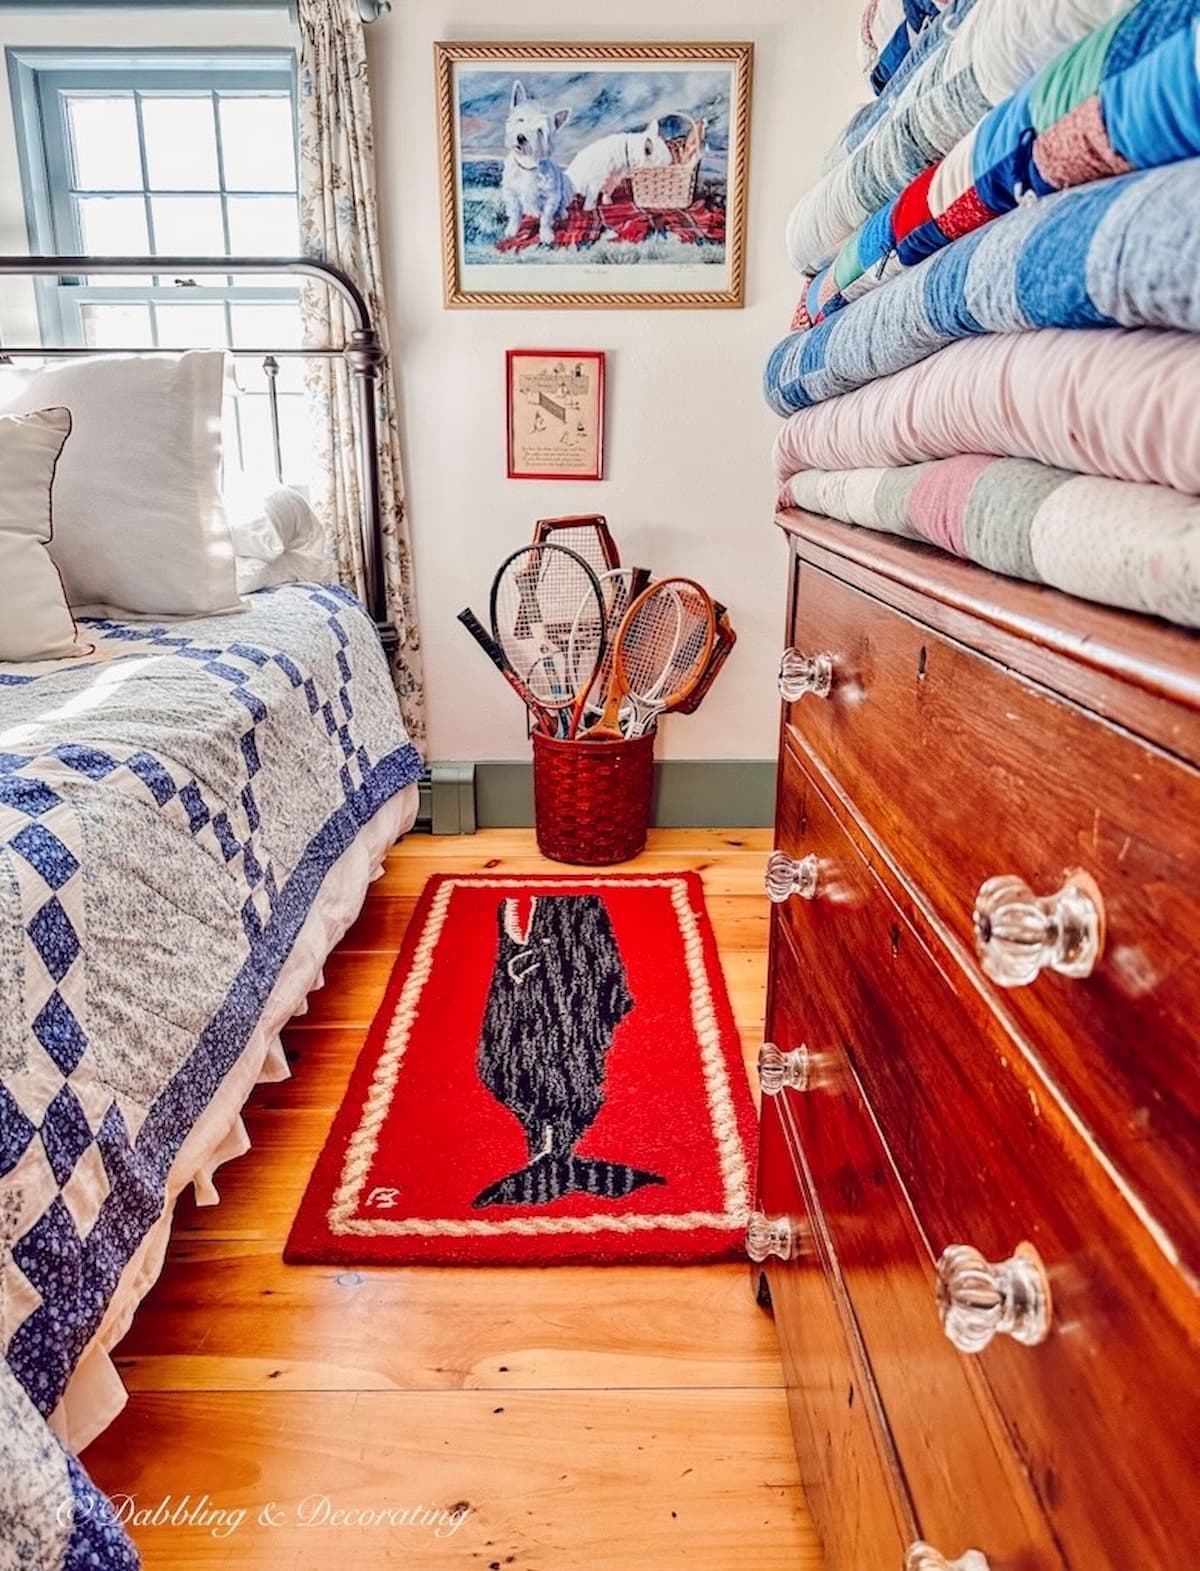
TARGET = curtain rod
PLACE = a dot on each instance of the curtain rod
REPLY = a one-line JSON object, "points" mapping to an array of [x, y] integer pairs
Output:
{"points": [[369, 10]]}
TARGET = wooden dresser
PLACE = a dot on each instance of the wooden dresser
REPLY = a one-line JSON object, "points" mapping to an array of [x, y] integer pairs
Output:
{"points": [[978, 1216]]}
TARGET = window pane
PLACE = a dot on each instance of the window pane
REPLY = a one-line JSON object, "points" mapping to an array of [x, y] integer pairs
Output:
{"points": [[181, 143], [112, 225], [263, 226], [116, 326], [187, 226], [267, 326], [295, 436], [104, 143], [258, 143], [191, 326]]}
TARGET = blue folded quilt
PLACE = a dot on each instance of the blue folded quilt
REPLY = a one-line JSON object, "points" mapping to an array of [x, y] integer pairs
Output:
{"points": [[1125, 97], [1119, 252]]}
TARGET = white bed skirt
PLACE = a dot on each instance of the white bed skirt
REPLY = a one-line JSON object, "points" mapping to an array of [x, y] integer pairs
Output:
{"points": [[95, 1393]]}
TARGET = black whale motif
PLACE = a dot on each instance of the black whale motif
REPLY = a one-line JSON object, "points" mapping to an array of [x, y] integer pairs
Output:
{"points": [[558, 993]]}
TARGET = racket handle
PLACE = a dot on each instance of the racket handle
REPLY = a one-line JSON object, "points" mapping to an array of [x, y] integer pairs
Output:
{"points": [[485, 640], [496, 655], [639, 581]]}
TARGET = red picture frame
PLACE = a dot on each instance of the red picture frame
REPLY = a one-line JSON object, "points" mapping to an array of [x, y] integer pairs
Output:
{"points": [[554, 404]]}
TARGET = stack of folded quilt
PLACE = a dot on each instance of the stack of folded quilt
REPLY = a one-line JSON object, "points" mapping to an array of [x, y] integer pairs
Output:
{"points": [[993, 350]]}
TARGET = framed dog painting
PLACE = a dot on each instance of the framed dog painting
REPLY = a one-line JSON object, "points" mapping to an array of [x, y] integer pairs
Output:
{"points": [[594, 174]]}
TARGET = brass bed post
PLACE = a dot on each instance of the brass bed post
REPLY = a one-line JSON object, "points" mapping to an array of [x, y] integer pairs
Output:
{"points": [[361, 352]]}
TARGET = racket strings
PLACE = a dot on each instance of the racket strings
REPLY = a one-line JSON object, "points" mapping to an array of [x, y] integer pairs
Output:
{"points": [[664, 642], [548, 620]]}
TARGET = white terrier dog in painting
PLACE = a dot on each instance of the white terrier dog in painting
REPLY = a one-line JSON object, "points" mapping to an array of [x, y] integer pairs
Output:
{"points": [[534, 184], [598, 167]]}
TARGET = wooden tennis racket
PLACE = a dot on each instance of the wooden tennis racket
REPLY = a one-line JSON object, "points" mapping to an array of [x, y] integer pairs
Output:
{"points": [[587, 534], [659, 656]]}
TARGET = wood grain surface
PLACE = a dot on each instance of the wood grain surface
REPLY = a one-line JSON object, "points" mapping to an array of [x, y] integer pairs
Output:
{"points": [[618, 1417]]}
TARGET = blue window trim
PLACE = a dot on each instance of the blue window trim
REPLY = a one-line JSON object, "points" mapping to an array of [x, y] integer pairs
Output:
{"points": [[37, 78]]}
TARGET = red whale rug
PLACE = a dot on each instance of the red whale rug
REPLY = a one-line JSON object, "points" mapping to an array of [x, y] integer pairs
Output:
{"points": [[554, 1077]]}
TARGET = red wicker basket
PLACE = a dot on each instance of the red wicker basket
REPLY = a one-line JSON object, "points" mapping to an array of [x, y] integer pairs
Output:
{"points": [[591, 800]]}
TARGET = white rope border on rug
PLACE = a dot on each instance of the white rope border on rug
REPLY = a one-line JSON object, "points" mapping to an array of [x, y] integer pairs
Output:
{"points": [[364, 1142]]}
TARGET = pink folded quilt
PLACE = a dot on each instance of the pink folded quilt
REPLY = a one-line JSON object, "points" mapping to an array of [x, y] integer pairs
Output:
{"points": [[1113, 541], [1101, 401]]}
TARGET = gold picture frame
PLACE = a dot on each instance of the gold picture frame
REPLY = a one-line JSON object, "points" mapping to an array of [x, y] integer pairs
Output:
{"points": [[593, 208]]}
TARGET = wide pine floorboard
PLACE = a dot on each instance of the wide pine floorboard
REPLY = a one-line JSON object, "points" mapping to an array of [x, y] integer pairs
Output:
{"points": [[631, 1418]]}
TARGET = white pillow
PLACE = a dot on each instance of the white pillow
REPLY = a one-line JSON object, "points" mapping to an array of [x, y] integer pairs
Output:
{"points": [[139, 521], [35, 620], [277, 539]]}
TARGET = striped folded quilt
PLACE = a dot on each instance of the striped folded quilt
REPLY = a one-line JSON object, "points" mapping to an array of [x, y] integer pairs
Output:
{"points": [[998, 47], [1125, 97], [1120, 251], [1132, 546], [1105, 402], [868, 115], [887, 33]]}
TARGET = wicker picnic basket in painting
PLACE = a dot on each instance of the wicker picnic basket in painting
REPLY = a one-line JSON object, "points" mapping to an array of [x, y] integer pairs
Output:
{"points": [[666, 188]]}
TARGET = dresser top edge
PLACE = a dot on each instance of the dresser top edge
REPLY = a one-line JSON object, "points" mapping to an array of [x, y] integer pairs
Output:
{"points": [[1140, 650]]}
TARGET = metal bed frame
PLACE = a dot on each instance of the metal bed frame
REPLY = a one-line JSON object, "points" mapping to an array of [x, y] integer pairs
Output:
{"points": [[362, 354]]}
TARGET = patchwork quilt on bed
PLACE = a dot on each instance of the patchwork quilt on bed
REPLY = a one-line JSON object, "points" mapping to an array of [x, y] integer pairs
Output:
{"points": [[52, 1518], [1126, 97], [169, 806], [1132, 546], [997, 47], [1116, 252]]}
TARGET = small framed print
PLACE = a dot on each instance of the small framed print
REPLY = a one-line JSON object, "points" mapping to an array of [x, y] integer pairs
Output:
{"points": [[555, 414]]}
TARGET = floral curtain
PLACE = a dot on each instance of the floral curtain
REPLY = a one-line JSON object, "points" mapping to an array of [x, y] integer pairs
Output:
{"points": [[338, 225]]}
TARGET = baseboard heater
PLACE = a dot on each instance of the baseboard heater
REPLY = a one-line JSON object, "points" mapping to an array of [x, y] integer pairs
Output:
{"points": [[689, 793]]}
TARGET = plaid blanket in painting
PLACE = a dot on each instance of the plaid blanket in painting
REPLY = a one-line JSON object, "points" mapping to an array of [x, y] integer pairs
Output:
{"points": [[1119, 252], [623, 219], [169, 807], [1125, 97]]}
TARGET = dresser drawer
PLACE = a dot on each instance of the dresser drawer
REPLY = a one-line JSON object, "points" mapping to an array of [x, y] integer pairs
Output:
{"points": [[963, 771], [1105, 1413], [967, 1489], [845, 1464]]}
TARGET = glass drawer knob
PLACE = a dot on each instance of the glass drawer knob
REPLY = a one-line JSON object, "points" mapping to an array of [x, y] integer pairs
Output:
{"points": [[783, 1071], [800, 674], [980, 1299], [1018, 933], [768, 1236], [924, 1557], [786, 877]]}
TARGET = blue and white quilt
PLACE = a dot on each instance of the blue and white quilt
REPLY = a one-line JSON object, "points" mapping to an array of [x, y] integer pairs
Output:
{"points": [[1115, 253], [169, 807]]}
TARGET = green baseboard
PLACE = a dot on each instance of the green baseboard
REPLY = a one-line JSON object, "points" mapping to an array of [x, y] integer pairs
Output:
{"points": [[689, 793]]}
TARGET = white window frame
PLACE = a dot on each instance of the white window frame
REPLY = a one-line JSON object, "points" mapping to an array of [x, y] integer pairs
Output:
{"points": [[40, 79]]}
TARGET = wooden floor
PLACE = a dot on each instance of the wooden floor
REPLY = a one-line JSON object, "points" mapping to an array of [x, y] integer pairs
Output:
{"points": [[630, 1418]]}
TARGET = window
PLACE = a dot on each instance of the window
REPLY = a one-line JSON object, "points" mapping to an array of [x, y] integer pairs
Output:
{"points": [[168, 153]]}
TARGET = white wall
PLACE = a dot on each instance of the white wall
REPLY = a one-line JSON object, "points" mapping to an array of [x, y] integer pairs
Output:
{"points": [[688, 435]]}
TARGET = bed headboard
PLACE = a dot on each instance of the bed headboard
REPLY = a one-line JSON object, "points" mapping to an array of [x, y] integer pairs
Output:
{"points": [[361, 352]]}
